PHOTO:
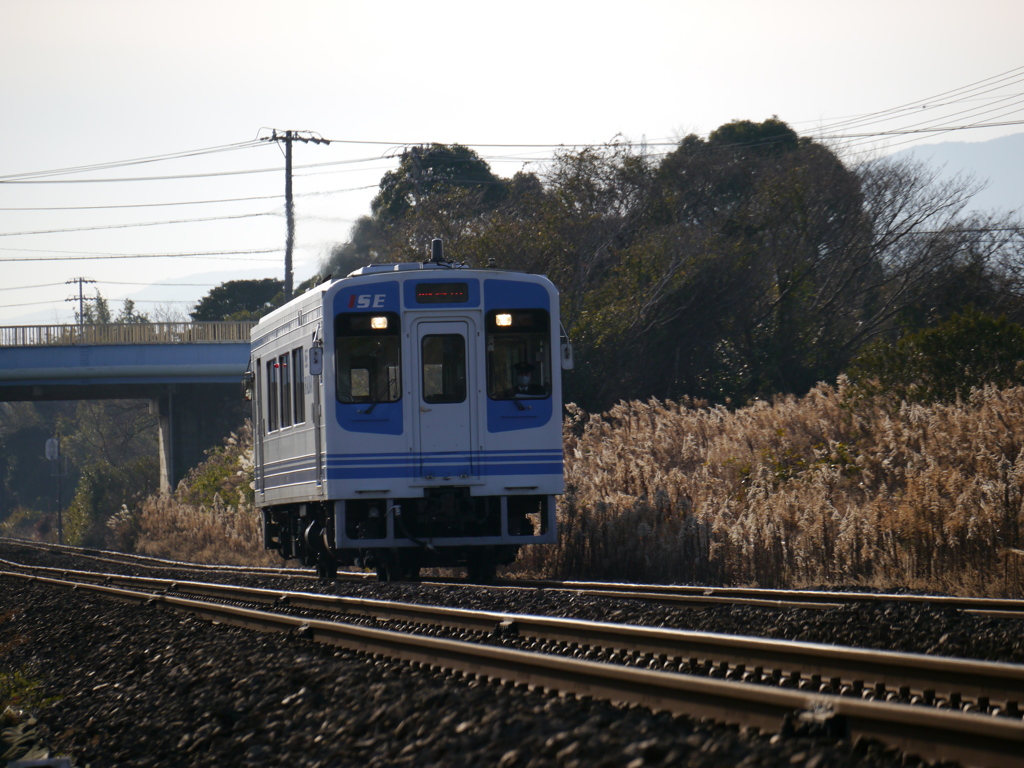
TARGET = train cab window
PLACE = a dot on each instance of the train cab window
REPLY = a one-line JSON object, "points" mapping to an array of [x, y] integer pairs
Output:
{"points": [[272, 393], [298, 386], [518, 354], [368, 357], [285, 376], [444, 368]]}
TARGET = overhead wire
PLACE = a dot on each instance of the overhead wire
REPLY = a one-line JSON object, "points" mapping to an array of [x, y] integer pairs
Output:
{"points": [[135, 161], [103, 253], [987, 97], [140, 224], [870, 117], [138, 256]]}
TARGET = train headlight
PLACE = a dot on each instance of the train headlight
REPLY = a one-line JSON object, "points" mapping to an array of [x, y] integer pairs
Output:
{"points": [[378, 323], [503, 320]]}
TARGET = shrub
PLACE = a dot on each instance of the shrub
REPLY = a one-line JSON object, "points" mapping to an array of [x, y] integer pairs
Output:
{"points": [[102, 491], [211, 516], [943, 363]]}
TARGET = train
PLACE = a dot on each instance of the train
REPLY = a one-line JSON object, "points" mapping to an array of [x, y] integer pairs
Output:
{"points": [[408, 416]]}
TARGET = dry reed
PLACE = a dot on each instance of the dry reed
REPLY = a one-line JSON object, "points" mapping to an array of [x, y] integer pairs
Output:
{"points": [[823, 490], [195, 523], [817, 490]]}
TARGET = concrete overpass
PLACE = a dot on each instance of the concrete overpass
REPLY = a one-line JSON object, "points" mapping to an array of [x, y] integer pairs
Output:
{"points": [[190, 373]]}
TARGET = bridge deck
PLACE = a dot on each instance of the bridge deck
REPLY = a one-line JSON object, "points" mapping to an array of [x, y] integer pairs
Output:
{"points": [[228, 331], [46, 362]]}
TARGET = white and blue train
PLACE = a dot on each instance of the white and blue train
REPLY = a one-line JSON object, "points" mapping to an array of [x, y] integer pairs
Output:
{"points": [[409, 416]]}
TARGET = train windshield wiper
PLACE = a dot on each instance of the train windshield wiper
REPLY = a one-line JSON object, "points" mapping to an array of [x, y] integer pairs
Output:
{"points": [[380, 396]]}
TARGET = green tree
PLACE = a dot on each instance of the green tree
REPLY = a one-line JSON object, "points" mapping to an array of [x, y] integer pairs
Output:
{"points": [[943, 363], [95, 313], [438, 171], [101, 492], [113, 444], [239, 300], [129, 314], [749, 263], [27, 478], [367, 244]]}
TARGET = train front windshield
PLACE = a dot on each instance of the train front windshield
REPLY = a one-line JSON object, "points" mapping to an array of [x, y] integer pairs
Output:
{"points": [[369, 354], [518, 354]]}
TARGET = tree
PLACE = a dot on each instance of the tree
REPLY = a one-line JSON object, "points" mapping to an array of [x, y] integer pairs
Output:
{"points": [[97, 313], [367, 244], [27, 478], [130, 315], [239, 300], [746, 264], [113, 445], [430, 173], [943, 363]]}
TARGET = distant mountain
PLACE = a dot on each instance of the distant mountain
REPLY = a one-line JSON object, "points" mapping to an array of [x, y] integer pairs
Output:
{"points": [[1000, 162]]}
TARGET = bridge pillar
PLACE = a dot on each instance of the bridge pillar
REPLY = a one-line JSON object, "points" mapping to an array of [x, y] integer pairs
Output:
{"points": [[160, 407], [193, 418]]}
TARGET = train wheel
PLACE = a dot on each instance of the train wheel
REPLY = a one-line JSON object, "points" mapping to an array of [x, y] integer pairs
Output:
{"points": [[396, 568], [481, 570], [326, 566]]}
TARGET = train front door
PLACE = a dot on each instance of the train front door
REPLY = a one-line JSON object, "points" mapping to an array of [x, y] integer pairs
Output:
{"points": [[446, 398]]}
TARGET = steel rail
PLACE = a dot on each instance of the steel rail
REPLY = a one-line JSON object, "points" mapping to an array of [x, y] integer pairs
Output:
{"points": [[129, 558], [972, 739], [998, 682], [1009, 607], [672, 594]]}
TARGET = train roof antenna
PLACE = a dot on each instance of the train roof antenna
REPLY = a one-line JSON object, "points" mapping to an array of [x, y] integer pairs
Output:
{"points": [[437, 251]]}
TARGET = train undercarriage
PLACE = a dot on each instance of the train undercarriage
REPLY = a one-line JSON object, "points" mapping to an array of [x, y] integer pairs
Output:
{"points": [[445, 528]]}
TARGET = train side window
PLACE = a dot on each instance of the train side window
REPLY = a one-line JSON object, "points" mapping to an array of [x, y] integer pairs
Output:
{"points": [[518, 354], [258, 394], [271, 395], [368, 357], [299, 388], [444, 368], [286, 390]]}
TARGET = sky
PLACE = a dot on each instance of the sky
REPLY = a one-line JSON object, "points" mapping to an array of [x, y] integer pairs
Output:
{"points": [[192, 87]]}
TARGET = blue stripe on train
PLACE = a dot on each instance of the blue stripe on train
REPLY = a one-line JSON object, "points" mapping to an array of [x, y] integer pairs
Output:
{"points": [[413, 466], [492, 470]]}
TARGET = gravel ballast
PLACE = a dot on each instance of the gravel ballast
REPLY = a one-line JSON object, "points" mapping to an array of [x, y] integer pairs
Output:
{"points": [[141, 685]]}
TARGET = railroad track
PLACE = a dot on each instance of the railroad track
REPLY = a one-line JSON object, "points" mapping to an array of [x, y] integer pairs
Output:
{"points": [[853, 691], [670, 594], [145, 561]]}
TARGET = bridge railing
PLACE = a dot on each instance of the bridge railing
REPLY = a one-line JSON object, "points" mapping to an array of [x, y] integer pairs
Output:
{"points": [[226, 331]]}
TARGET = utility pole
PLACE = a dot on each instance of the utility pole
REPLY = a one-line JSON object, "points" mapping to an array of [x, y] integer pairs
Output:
{"points": [[81, 295], [287, 137], [54, 455]]}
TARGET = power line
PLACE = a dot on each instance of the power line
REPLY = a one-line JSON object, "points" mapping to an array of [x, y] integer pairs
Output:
{"points": [[1016, 75], [157, 285], [190, 202], [146, 256], [142, 255], [139, 224], [25, 287], [175, 177], [135, 161], [142, 205]]}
